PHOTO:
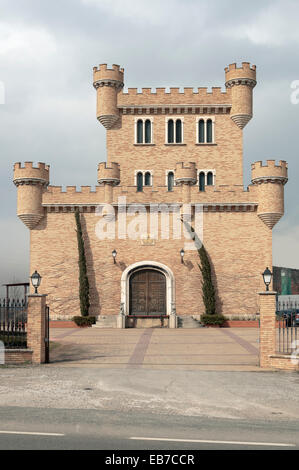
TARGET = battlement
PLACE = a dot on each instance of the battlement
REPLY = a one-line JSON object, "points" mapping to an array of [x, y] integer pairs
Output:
{"points": [[30, 172], [175, 95], [72, 190], [102, 72], [269, 170], [245, 71]]}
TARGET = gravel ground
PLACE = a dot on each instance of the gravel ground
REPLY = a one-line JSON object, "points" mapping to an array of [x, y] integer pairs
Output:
{"points": [[219, 394]]}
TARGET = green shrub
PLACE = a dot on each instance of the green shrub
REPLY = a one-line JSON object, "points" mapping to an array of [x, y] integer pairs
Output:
{"points": [[84, 321], [212, 319]]}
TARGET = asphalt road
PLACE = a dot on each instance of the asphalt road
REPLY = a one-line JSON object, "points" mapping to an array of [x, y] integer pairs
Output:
{"points": [[23, 428]]}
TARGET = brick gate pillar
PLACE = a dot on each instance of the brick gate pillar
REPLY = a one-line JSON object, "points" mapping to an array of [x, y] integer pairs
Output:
{"points": [[267, 327], [36, 324]]}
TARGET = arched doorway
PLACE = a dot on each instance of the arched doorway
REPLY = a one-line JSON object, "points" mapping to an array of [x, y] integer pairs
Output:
{"points": [[147, 292], [153, 266]]}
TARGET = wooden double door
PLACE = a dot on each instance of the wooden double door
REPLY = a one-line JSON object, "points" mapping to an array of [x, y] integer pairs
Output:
{"points": [[147, 293]]}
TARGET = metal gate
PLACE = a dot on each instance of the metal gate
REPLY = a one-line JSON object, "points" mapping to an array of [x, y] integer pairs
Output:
{"points": [[47, 335], [287, 315], [13, 323]]}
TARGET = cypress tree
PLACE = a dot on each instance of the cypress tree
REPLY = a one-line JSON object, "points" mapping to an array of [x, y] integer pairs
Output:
{"points": [[83, 279], [208, 291]]}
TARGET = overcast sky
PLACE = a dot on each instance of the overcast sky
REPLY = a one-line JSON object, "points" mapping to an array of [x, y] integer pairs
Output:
{"points": [[49, 47]]}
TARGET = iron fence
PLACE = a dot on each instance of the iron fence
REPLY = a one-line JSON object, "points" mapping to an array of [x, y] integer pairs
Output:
{"points": [[13, 323], [287, 315]]}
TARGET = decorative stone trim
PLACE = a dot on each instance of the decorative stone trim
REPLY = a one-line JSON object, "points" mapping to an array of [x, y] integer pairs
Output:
{"points": [[117, 84], [240, 81], [31, 181], [207, 207], [111, 181], [270, 218], [230, 207], [175, 109], [241, 119], [186, 180], [30, 220], [108, 120], [270, 179]]}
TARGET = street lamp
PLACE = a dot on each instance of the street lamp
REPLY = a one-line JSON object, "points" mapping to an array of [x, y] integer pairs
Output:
{"points": [[114, 253], [267, 276], [182, 253], [36, 280]]}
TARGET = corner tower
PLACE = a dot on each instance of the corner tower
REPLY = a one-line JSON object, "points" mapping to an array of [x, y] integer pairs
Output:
{"points": [[108, 83], [31, 183], [241, 80], [270, 180]]}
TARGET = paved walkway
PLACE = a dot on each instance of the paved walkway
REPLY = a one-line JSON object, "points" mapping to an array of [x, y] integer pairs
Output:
{"points": [[154, 348]]}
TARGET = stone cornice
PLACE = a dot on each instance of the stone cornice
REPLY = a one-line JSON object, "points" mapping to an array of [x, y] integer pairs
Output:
{"points": [[108, 82], [175, 109], [270, 179], [207, 207], [31, 181], [240, 81]]}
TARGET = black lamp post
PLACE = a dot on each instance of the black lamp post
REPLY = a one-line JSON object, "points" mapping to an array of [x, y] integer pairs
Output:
{"points": [[267, 276], [114, 253], [36, 280], [182, 253]]}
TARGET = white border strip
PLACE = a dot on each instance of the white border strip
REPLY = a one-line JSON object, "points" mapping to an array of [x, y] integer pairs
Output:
{"points": [[32, 433], [272, 444]]}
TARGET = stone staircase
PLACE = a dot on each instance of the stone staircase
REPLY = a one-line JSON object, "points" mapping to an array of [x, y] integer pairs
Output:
{"points": [[105, 321], [188, 322]]}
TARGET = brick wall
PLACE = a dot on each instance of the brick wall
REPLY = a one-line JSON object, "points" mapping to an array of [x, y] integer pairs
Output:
{"points": [[18, 356]]}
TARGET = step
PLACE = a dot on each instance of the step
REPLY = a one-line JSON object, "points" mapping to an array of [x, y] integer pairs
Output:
{"points": [[106, 321], [188, 322]]}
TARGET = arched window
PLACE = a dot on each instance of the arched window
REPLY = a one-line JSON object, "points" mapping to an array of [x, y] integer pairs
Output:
{"points": [[147, 179], [170, 130], [210, 179], [201, 181], [139, 181], [178, 131], [170, 181], [140, 131], [148, 132], [201, 131], [209, 131]]}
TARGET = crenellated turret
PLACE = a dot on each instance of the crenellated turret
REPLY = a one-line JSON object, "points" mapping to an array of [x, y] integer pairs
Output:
{"points": [[109, 177], [270, 180], [186, 176], [31, 183], [108, 83], [241, 80]]}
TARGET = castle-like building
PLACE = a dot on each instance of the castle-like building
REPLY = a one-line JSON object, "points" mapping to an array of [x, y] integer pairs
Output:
{"points": [[170, 155]]}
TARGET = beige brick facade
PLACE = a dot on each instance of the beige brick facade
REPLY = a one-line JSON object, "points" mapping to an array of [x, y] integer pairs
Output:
{"points": [[237, 222]]}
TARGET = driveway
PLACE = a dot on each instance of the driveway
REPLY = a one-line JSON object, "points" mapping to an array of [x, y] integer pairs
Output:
{"points": [[186, 349]]}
